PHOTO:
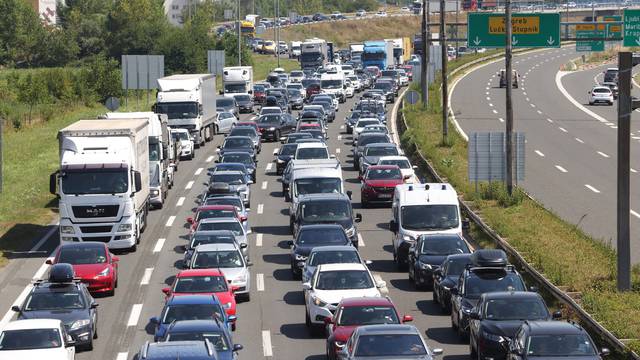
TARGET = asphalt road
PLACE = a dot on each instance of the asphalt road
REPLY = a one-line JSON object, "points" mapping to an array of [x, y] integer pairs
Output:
{"points": [[271, 325], [570, 164]]}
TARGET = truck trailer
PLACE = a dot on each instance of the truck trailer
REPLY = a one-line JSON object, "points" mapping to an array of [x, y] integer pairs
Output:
{"points": [[377, 53]]}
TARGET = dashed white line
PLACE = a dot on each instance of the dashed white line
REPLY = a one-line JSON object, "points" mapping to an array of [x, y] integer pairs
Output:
{"points": [[501, 119], [635, 213], [170, 221], [602, 154], [487, 88], [524, 93], [562, 129], [159, 245], [269, 166], [488, 98], [533, 105], [339, 137], [579, 140], [122, 356], [180, 201], [189, 185], [592, 188], [633, 170], [361, 241], [198, 172], [338, 150], [210, 159], [259, 240], [614, 126], [341, 127], [490, 105], [495, 111], [527, 99], [260, 208], [146, 277], [260, 282], [550, 121], [264, 185], [539, 112], [539, 153], [136, 310], [561, 169], [267, 351]]}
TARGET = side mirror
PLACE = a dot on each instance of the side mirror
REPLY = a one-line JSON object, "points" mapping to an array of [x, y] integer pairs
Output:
{"points": [[332, 156], [237, 347], [115, 259], [69, 342], [406, 177], [349, 193], [290, 243], [232, 318], [533, 288], [53, 179], [328, 320], [358, 217], [250, 182], [94, 305], [190, 220], [249, 263], [407, 318], [306, 286], [243, 218], [381, 284], [275, 152], [235, 288], [474, 315], [49, 261], [360, 177], [436, 352], [393, 226], [368, 262], [605, 351], [16, 308], [137, 180], [556, 315], [167, 291], [243, 246]]}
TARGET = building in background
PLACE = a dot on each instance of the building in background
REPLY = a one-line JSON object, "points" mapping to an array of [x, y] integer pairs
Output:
{"points": [[176, 9], [46, 9]]}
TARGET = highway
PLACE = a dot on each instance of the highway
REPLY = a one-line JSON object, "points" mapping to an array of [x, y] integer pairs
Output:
{"points": [[571, 146], [271, 325]]}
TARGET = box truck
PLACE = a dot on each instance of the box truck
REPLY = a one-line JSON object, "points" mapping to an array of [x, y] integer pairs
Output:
{"points": [[103, 181], [295, 49], [237, 80], [313, 54]]}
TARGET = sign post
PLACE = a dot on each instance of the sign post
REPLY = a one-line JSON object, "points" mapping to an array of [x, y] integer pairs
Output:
{"points": [[631, 28], [487, 30], [590, 31]]}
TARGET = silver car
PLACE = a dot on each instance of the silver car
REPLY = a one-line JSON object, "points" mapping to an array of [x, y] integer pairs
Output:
{"points": [[230, 224], [228, 259], [339, 254], [237, 181], [234, 200]]}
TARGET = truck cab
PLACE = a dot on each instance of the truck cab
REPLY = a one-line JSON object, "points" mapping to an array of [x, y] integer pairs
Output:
{"points": [[333, 82]]}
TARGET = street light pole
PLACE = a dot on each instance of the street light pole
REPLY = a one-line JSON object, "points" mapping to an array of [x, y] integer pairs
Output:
{"points": [[239, 35], [509, 105], [424, 60], [445, 88], [278, 32]]}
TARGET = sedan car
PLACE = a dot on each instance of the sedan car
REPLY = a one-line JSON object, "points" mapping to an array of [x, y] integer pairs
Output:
{"points": [[407, 170], [203, 282], [229, 260], [249, 132], [227, 104], [205, 237], [213, 211], [379, 183], [234, 182], [283, 155], [92, 263], [273, 126], [446, 278], [237, 143], [244, 102], [600, 94], [427, 254], [296, 99], [230, 224], [34, 339], [199, 330], [373, 152], [310, 237]]}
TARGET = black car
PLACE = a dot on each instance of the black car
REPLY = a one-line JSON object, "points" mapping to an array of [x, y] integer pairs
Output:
{"points": [[283, 156], [351, 120], [248, 131], [293, 137], [237, 144], [489, 271], [310, 236], [281, 98], [244, 102], [551, 340], [498, 316], [240, 157], [446, 277], [296, 100], [388, 90], [319, 17], [273, 126], [326, 209], [63, 298], [327, 104], [363, 141], [427, 254]]}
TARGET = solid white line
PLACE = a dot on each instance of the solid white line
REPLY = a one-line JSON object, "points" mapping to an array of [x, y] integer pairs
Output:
{"points": [[259, 240], [495, 111], [146, 277], [561, 168], [338, 151], [122, 356], [603, 154], [198, 171], [189, 185], [23, 295], [501, 119], [361, 241], [46, 236], [592, 188], [136, 310], [539, 153], [260, 208], [260, 282], [533, 105], [253, 118], [566, 94], [170, 220], [562, 129], [159, 245], [210, 159], [635, 214], [266, 343], [264, 185], [269, 166], [579, 140], [180, 201], [527, 99]]}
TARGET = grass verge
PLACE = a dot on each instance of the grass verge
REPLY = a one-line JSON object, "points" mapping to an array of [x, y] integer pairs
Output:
{"points": [[264, 64], [562, 252]]}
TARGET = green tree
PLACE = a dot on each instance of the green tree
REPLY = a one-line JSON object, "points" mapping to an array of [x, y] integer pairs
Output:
{"points": [[32, 90], [21, 33], [229, 43], [57, 48], [86, 21], [135, 26]]}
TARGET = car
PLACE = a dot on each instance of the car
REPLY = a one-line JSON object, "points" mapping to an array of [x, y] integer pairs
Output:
{"points": [[613, 86], [266, 110], [497, 317], [293, 137], [63, 298], [201, 330], [295, 165], [227, 258], [600, 94], [235, 182], [330, 284], [184, 350], [446, 278], [36, 338], [225, 121], [296, 76], [503, 78], [363, 141], [214, 211], [489, 271], [312, 89], [231, 224], [209, 237], [187, 145], [372, 153], [312, 151], [268, 47], [92, 263], [387, 88], [311, 236], [237, 143], [361, 13], [231, 167], [249, 132], [381, 13], [274, 126], [283, 155], [329, 109], [325, 209], [227, 104], [259, 94], [250, 124], [611, 75], [203, 282], [405, 9], [296, 99], [407, 170], [427, 254], [333, 254], [378, 184], [244, 158], [388, 341], [244, 102], [554, 340]]}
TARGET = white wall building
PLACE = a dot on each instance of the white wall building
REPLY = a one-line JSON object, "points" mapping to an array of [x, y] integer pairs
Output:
{"points": [[175, 8]]}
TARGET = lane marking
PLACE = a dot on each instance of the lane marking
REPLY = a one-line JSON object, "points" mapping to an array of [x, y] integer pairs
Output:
{"points": [[136, 310], [550, 121], [501, 119], [579, 140], [339, 137], [603, 154], [269, 166], [561, 169], [23, 295], [592, 188], [259, 240], [539, 153], [146, 277], [159, 245], [488, 98], [260, 282], [527, 99], [338, 151], [539, 112], [253, 117], [635, 214], [633, 170], [524, 93], [170, 221], [562, 129], [267, 351], [495, 111], [210, 159], [264, 185], [189, 185], [198, 172], [341, 127], [180, 201], [566, 94], [490, 105], [122, 356], [260, 208], [361, 241], [614, 126], [533, 105]]}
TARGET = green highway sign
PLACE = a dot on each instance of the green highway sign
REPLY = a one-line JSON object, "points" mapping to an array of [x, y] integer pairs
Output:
{"points": [[486, 30], [631, 28], [590, 31], [613, 30]]}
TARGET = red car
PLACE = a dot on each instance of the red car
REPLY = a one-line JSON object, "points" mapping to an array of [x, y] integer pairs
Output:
{"points": [[214, 211], [353, 312], [259, 94], [204, 282], [92, 263], [379, 183], [312, 90]]}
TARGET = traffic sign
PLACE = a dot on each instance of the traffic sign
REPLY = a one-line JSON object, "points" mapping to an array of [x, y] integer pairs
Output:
{"points": [[631, 28], [486, 30], [613, 30], [590, 31], [412, 97]]}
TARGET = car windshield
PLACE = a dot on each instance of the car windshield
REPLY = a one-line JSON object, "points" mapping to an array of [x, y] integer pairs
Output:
{"points": [[560, 345], [294, 93], [443, 245], [344, 280], [318, 186], [401, 163], [258, 88], [243, 98], [224, 102], [334, 257], [382, 85], [214, 213], [288, 149], [384, 174], [95, 181], [429, 217], [601, 90], [312, 153], [200, 284], [373, 139], [243, 131], [375, 128], [363, 123], [82, 255], [368, 315], [178, 110], [238, 158], [331, 84], [492, 281], [29, 339], [456, 266], [390, 345], [326, 211], [234, 89], [516, 309], [233, 226], [217, 259], [191, 312], [236, 143], [212, 239], [269, 119], [265, 111], [381, 151], [231, 167], [179, 135], [235, 201], [297, 73], [292, 138], [325, 236], [216, 339], [54, 300], [232, 179]]}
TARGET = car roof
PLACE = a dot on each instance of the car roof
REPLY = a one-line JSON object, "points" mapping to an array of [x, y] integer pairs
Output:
{"points": [[170, 350], [318, 249], [366, 301], [239, 137], [313, 145], [318, 172], [340, 267], [601, 87], [323, 197], [387, 329], [193, 299], [196, 326], [219, 220], [511, 295], [553, 328], [82, 244], [382, 167], [213, 232], [380, 145], [199, 272], [429, 193], [215, 207], [215, 247], [228, 172], [394, 157], [33, 324]]}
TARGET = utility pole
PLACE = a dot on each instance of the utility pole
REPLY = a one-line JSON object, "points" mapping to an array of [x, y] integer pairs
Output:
{"points": [[509, 105], [624, 155], [424, 61], [278, 32], [593, 11], [239, 36], [566, 27], [1, 152], [457, 36], [445, 86]]}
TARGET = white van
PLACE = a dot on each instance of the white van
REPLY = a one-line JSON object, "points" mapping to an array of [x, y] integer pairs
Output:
{"points": [[315, 180]]}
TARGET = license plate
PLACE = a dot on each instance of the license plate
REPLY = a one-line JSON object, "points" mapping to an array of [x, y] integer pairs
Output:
{"points": [[384, 196]]}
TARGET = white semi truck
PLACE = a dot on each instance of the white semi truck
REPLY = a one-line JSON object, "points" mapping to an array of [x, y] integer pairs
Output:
{"points": [[356, 50], [189, 101], [103, 181], [237, 80], [313, 54], [295, 49]]}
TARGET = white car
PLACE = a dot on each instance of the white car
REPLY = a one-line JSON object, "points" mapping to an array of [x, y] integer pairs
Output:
{"points": [[362, 122], [361, 13], [405, 9], [350, 90], [270, 110], [357, 84], [381, 13], [331, 283], [600, 94], [404, 78], [229, 259], [36, 339], [295, 76], [186, 142], [408, 171]]}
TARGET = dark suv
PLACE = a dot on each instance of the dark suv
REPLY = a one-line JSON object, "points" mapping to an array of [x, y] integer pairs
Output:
{"points": [[427, 254], [326, 209], [489, 271], [446, 278]]}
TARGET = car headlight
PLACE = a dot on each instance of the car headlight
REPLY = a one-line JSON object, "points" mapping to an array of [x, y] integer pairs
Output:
{"points": [[425, 266], [240, 279], [339, 344], [67, 229], [319, 302], [125, 227], [280, 161], [272, 128], [351, 232], [466, 310], [300, 257], [409, 238], [104, 272], [79, 323], [227, 305], [155, 192], [492, 337]]}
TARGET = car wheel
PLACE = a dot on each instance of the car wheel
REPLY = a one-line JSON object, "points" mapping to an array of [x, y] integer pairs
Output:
{"points": [[365, 203], [277, 137], [590, 102], [435, 296], [307, 320], [89, 346]]}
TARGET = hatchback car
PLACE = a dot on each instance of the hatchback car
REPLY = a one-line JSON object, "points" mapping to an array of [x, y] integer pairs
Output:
{"points": [[427, 254], [34, 339], [335, 254], [203, 282], [310, 237], [230, 224], [387, 341], [205, 330], [600, 94], [378, 184], [209, 237], [373, 152], [446, 277], [227, 258]]}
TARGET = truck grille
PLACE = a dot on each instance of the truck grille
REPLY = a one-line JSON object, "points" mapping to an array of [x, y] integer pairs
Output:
{"points": [[95, 229], [103, 239], [95, 211]]}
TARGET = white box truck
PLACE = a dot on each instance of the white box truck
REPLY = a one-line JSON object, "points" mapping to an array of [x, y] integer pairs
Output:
{"points": [[313, 54], [295, 49], [189, 101], [237, 80], [389, 52], [356, 50], [103, 181], [398, 51]]}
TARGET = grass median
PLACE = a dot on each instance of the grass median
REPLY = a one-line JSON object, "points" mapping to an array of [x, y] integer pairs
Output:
{"points": [[561, 251]]}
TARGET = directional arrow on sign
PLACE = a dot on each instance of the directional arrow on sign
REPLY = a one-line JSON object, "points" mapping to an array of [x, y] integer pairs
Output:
{"points": [[551, 40], [514, 41], [477, 41], [638, 42]]}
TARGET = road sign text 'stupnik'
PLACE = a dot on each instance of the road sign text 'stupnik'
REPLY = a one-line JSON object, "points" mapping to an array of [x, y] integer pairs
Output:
{"points": [[487, 30]]}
